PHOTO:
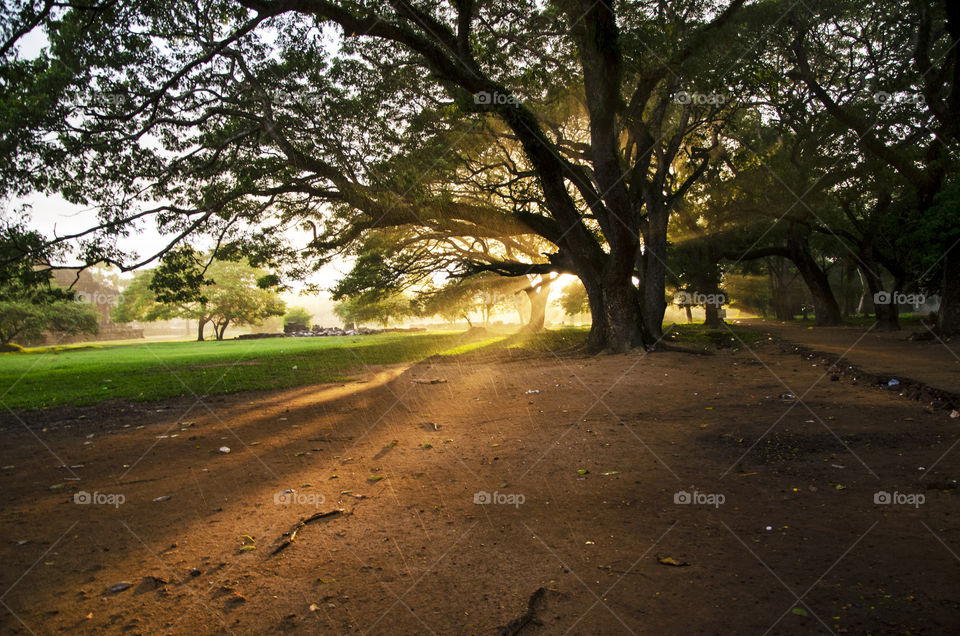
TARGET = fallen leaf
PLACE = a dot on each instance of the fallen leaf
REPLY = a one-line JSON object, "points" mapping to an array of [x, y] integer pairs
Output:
{"points": [[671, 562]]}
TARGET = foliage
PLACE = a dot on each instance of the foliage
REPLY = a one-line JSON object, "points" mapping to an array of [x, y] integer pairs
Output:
{"points": [[230, 295], [29, 303], [519, 138], [370, 307], [297, 316], [573, 299], [27, 320]]}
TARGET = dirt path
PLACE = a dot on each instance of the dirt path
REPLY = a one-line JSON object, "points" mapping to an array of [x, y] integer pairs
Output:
{"points": [[585, 461], [933, 361]]}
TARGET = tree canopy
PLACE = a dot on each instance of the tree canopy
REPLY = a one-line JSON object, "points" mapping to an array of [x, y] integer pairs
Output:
{"points": [[619, 142], [226, 293]]}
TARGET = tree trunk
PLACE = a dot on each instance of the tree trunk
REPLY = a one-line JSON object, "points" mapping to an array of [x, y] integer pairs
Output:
{"points": [[599, 327], [687, 307], [887, 313], [948, 317], [865, 306], [623, 318], [201, 323], [538, 295], [711, 288], [653, 280], [824, 304], [221, 329]]}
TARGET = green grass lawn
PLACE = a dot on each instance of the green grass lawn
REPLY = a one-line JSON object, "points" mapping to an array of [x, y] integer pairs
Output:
{"points": [[76, 375], [87, 374]]}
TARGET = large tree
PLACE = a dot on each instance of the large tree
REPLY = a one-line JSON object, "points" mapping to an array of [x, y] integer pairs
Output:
{"points": [[890, 75], [234, 111], [582, 124], [221, 294]]}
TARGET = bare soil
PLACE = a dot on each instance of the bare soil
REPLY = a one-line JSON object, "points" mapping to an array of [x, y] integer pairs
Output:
{"points": [[585, 462]]}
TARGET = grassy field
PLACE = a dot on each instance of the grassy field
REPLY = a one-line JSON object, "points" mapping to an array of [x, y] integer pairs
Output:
{"points": [[87, 374], [77, 375]]}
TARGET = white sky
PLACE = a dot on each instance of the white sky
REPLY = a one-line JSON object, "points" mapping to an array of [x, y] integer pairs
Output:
{"points": [[54, 215]]}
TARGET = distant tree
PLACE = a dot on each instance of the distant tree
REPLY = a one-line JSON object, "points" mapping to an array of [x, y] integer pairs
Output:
{"points": [[573, 299], [369, 307], [29, 303], [226, 293], [483, 293], [26, 320], [450, 302], [297, 319]]}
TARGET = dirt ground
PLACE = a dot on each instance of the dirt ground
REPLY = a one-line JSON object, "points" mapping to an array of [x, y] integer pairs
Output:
{"points": [[914, 352], [587, 464]]}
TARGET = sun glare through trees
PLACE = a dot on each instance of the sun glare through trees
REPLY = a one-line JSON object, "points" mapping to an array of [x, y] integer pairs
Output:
{"points": [[479, 317]]}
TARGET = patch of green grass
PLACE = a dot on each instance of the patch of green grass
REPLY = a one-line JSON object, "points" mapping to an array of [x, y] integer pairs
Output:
{"points": [[82, 375], [713, 337], [553, 340], [474, 345]]}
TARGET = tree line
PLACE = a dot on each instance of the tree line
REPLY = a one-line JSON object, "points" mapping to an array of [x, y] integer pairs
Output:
{"points": [[637, 146]]}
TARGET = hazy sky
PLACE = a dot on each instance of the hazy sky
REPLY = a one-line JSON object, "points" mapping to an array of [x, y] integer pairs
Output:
{"points": [[53, 215]]}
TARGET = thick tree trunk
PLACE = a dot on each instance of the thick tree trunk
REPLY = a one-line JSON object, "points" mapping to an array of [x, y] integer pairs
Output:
{"points": [[623, 317], [887, 313], [824, 304], [688, 309], [599, 327], [948, 318], [615, 317], [654, 273], [201, 323], [711, 288]]}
